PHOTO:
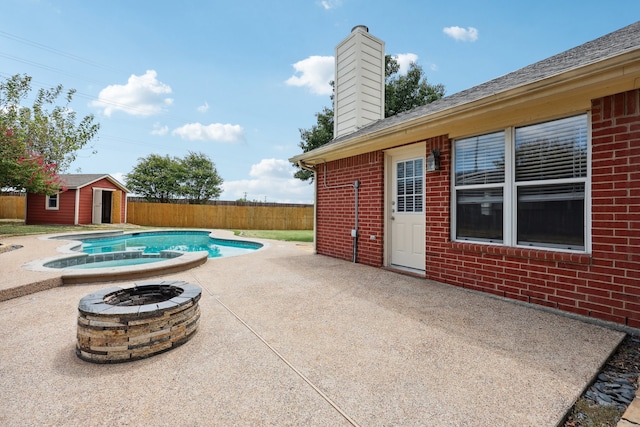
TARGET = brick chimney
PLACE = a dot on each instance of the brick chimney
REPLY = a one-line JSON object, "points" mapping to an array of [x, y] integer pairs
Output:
{"points": [[359, 82]]}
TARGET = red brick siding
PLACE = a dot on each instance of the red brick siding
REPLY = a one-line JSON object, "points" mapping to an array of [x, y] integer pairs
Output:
{"points": [[437, 206], [616, 206], [336, 207], [604, 284], [37, 214]]}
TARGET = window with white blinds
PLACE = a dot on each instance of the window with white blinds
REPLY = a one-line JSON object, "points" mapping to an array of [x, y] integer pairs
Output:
{"points": [[526, 186], [479, 178], [410, 186], [552, 150], [480, 159]]}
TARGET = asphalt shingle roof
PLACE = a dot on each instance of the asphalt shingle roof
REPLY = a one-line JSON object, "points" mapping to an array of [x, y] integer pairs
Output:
{"points": [[75, 181]]}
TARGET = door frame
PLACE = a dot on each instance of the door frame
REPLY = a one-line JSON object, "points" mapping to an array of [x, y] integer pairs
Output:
{"points": [[418, 149], [97, 202]]}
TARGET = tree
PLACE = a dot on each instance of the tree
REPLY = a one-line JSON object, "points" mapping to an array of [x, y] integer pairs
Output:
{"points": [[156, 178], [36, 144], [164, 179], [402, 93], [406, 92], [200, 181], [318, 135]]}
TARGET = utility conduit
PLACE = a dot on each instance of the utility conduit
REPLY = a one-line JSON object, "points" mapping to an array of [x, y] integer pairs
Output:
{"points": [[356, 186]]}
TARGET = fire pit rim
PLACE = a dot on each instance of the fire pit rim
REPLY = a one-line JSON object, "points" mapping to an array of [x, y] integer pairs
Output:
{"points": [[94, 303]]}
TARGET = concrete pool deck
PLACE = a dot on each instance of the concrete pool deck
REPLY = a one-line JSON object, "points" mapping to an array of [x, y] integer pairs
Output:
{"points": [[287, 337]]}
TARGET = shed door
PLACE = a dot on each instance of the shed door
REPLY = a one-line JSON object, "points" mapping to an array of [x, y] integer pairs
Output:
{"points": [[106, 207], [407, 212], [96, 217]]}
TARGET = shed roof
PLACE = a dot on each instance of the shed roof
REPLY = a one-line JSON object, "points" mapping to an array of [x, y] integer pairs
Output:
{"points": [[76, 181], [617, 43]]}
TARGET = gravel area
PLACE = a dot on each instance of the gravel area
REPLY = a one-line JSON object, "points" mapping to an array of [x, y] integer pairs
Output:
{"points": [[604, 402]]}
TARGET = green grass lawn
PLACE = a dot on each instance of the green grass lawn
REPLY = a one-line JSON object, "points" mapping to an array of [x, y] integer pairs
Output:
{"points": [[286, 235], [18, 228]]}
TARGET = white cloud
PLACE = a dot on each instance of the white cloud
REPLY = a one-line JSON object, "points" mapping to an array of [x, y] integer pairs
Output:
{"points": [[213, 132], [203, 108], [143, 95], [272, 181], [159, 129], [330, 4], [404, 60], [469, 34], [314, 73]]}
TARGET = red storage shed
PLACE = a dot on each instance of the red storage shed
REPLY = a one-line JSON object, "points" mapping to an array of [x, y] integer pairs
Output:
{"points": [[87, 199]]}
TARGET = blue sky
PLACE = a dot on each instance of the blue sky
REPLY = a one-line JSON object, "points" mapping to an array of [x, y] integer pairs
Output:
{"points": [[237, 80]]}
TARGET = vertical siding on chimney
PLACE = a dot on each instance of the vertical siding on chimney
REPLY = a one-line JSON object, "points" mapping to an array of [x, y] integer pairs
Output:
{"points": [[359, 84]]}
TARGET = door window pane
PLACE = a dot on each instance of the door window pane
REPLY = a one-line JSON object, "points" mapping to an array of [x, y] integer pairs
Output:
{"points": [[410, 186]]}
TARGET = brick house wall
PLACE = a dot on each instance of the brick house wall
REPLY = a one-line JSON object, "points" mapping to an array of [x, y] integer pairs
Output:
{"points": [[335, 216], [604, 284]]}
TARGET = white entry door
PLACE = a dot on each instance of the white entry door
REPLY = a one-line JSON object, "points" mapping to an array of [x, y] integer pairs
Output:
{"points": [[407, 215]]}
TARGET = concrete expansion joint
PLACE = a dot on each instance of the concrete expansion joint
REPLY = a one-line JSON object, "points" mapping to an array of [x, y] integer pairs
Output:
{"points": [[291, 366]]}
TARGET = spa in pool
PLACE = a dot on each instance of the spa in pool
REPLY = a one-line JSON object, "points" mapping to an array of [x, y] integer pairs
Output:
{"points": [[128, 249]]}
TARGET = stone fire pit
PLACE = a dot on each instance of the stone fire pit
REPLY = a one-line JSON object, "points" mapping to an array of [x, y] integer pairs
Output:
{"points": [[128, 323]]}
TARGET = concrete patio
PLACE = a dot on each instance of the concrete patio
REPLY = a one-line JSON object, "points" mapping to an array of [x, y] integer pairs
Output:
{"points": [[287, 337]]}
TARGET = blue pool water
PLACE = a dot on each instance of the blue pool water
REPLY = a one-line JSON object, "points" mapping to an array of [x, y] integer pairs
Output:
{"points": [[118, 263], [156, 241]]}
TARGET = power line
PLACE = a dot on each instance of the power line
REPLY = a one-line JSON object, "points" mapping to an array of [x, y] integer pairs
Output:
{"points": [[128, 109], [56, 51]]}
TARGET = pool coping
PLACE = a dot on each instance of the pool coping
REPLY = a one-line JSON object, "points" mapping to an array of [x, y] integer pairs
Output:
{"points": [[186, 261]]}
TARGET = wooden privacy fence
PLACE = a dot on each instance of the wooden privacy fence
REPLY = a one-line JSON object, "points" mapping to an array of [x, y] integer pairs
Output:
{"points": [[12, 207], [228, 216]]}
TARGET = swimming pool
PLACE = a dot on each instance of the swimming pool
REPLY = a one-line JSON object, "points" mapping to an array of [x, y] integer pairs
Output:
{"points": [[153, 242], [107, 256]]}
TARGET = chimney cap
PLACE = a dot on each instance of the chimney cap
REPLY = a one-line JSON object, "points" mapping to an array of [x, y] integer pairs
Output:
{"points": [[364, 27]]}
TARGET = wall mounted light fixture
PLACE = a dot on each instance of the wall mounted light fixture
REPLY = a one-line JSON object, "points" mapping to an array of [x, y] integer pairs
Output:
{"points": [[433, 161]]}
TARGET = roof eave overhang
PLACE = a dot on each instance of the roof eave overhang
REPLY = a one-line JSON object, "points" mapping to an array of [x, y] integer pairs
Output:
{"points": [[566, 93]]}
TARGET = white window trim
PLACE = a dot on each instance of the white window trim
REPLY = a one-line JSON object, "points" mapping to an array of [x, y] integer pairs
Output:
{"points": [[510, 187], [46, 203]]}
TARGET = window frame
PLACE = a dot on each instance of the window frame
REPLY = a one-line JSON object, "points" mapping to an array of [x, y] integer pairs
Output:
{"points": [[510, 190], [48, 199]]}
